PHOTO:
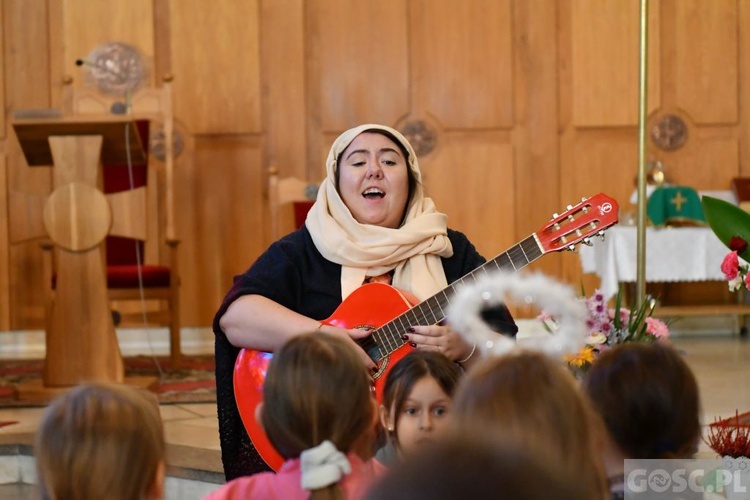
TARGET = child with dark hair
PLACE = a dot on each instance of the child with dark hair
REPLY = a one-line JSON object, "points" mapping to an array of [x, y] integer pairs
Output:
{"points": [[648, 398], [417, 399], [320, 413]]}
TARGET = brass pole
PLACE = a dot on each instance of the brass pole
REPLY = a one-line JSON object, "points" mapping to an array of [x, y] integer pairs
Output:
{"points": [[642, 115]]}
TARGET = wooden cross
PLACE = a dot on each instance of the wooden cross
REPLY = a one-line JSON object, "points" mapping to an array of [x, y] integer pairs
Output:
{"points": [[81, 343]]}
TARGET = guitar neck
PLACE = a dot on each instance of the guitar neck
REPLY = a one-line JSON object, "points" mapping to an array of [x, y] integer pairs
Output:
{"points": [[433, 310]]}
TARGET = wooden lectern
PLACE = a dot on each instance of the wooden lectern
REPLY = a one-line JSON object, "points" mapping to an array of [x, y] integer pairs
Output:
{"points": [[81, 344]]}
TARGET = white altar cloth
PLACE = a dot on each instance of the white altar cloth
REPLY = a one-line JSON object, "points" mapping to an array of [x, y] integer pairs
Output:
{"points": [[672, 254]]}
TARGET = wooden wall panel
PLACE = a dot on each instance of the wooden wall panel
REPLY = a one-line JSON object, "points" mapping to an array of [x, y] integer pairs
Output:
{"points": [[744, 87], [706, 63], [219, 221], [26, 54], [5, 289], [216, 65], [27, 85], [594, 162], [472, 180], [358, 63], [535, 135], [283, 84], [462, 62], [599, 161], [87, 24], [709, 160], [2, 76], [604, 37]]}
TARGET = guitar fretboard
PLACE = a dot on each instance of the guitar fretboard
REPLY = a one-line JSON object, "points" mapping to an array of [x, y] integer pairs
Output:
{"points": [[387, 338]]}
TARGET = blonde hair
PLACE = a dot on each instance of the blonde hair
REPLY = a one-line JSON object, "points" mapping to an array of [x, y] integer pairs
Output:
{"points": [[317, 389], [100, 440], [529, 399]]}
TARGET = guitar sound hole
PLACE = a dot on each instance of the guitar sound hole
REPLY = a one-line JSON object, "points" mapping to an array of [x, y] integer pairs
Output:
{"points": [[373, 351], [369, 344]]}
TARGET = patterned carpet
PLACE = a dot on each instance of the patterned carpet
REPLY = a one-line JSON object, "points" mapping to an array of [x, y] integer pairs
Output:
{"points": [[193, 382]]}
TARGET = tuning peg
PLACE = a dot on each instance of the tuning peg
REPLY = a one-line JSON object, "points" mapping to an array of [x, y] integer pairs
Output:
{"points": [[587, 242], [569, 207], [572, 248], [600, 234], [555, 215]]}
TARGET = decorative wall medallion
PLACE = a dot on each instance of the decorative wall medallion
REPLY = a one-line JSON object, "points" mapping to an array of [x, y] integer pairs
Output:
{"points": [[156, 142], [422, 137], [115, 68], [669, 133]]}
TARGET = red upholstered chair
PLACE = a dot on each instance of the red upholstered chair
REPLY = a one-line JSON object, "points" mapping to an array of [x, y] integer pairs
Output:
{"points": [[289, 199], [142, 274]]}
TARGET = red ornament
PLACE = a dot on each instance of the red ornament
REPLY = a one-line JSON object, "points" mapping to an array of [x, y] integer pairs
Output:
{"points": [[730, 437]]}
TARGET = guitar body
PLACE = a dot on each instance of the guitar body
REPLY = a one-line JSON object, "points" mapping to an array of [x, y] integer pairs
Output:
{"points": [[368, 307], [389, 314]]}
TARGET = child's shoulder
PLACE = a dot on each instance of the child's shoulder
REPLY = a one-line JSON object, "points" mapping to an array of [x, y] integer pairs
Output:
{"points": [[268, 485], [364, 474]]}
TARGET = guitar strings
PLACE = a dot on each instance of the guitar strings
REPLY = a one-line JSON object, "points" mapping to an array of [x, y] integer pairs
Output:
{"points": [[389, 336]]}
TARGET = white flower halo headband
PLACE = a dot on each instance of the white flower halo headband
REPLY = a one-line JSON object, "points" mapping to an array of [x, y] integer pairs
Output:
{"points": [[547, 294]]}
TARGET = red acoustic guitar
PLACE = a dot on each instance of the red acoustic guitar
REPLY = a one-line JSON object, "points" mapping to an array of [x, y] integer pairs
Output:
{"points": [[385, 311]]}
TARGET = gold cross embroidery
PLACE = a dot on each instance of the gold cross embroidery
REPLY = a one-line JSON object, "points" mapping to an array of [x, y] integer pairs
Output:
{"points": [[678, 200]]}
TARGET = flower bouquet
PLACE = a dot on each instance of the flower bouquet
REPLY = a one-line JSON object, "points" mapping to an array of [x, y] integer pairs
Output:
{"points": [[608, 327], [731, 225]]}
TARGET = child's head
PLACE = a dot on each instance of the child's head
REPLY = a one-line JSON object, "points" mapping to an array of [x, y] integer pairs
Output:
{"points": [[474, 465], [317, 389], [532, 400], [101, 440], [648, 399], [417, 399]]}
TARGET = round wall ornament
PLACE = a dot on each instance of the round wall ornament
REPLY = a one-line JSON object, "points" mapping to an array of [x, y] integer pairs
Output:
{"points": [[421, 136], [669, 132], [115, 68]]}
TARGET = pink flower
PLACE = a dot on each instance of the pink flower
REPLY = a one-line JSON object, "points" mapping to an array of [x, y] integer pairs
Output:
{"points": [[730, 266], [657, 328], [624, 315]]}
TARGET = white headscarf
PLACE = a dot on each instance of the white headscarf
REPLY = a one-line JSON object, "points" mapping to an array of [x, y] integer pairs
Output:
{"points": [[413, 250]]}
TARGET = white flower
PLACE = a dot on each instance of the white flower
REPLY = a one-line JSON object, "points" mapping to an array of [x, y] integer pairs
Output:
{"points": [[594, 339], [736, 283]]}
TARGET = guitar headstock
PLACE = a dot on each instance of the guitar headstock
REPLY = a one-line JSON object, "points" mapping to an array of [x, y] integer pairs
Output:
{"points": [[579, 223]]}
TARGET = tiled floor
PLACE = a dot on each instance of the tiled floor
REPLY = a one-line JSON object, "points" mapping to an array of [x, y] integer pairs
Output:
{"points": [[188, 425], [721, 364]]}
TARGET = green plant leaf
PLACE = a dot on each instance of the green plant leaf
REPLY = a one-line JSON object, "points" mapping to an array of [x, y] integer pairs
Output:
{"points": [[727, 220]]}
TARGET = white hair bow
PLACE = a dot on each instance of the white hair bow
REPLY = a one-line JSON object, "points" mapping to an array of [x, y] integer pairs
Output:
{"points": [[322, 466]]}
